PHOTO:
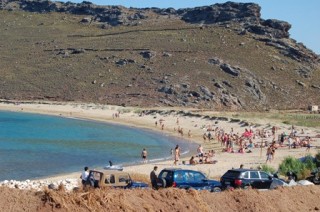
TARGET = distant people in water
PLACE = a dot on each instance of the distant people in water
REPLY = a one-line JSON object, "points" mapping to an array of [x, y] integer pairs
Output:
{"points": [[144, 155]]}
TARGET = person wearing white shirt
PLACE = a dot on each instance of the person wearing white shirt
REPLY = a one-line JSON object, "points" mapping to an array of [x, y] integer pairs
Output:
{"points": [[84, 175]]}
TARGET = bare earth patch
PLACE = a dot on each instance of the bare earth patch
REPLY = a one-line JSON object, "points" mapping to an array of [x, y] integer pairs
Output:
{"points": [[300, 198]]}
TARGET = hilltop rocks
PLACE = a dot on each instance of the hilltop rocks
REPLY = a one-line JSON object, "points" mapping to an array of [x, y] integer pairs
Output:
{"points": [[227, 68], [122, 62], [292, 49], [230, 70], [148, 54], [222, 13], [215, 61], [282, 26], [167, 90]]}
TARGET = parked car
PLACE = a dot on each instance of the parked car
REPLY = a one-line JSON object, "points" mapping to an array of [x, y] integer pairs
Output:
{"points": [[187, 179], [112, 178], [245, 178]]}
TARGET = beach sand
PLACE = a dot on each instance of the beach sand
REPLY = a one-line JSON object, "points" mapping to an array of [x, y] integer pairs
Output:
{"points": [[196, 125]]}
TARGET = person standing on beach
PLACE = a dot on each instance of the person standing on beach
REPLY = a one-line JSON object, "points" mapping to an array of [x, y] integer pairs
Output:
{"points": [[84, 175], [200, 153], [308, 144], [144, 155], [176, 154], [269, 154], [154, 177]]}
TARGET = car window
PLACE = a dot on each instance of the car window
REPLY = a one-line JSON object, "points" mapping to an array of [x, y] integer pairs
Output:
{"points": [[112, 179], [165, 174], [198, 177], [189, 176], [231, 174], [107, 179], [254, 175], [245, 175], [178, 177], [123, 178], [264, 175]]}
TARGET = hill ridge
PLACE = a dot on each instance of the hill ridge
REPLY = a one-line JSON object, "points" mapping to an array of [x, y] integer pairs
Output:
{"points": [[222, 56]]}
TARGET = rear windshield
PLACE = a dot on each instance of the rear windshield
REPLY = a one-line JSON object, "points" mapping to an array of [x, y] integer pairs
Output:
{"points": [[231, 174]]}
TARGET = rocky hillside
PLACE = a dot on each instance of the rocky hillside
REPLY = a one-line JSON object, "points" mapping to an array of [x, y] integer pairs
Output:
{"points": [[222, 57]]}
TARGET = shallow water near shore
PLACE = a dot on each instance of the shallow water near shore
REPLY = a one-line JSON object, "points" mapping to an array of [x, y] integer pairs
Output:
{"points": [[36, 146]]}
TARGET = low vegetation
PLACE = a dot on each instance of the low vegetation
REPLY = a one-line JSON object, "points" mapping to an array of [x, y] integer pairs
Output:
{"points": [[301, 167]]}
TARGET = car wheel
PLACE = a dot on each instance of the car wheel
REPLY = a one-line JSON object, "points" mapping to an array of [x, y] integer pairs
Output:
{"points": [[216, 189], [246, 187]]}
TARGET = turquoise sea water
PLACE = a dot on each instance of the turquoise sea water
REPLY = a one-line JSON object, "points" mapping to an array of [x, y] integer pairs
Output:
{"points": [[34, 146]]}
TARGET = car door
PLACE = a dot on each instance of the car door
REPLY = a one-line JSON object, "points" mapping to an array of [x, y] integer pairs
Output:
{"points": [[255, 179], [199, 180], [266, 180]]}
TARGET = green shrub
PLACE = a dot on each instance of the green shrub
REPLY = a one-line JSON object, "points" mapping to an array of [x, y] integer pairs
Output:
{"points": [[301, 169], [317, 156], [291, 164], [268, 169], [304, 173], [309, 163]]}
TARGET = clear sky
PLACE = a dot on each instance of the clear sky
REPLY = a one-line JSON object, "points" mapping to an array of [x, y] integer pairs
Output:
{"points": [[303, 15]]}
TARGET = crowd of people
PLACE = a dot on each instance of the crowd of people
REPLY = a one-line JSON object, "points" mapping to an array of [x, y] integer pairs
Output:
{"points": [[243, 142]]}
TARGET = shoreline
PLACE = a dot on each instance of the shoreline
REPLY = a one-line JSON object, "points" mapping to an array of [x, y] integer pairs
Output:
{"points": [[132, 117]]}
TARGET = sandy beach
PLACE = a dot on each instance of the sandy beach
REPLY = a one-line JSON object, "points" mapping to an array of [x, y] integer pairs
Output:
{"points": [[195, 125]]}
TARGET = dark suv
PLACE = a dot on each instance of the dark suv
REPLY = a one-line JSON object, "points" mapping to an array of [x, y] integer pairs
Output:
{"points": [[187, 179], [245, 178]]}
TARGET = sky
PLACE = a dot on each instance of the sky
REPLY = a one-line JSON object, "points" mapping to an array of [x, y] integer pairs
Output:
{"points": [[304, 16]]}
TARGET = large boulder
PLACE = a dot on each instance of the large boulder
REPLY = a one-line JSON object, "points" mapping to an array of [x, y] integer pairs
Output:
{"points": [[222, 12], [230, 70]]}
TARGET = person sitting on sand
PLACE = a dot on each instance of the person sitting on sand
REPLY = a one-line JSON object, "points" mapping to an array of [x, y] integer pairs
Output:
{"points": [[209, 158], [241, 149], [192, 161]]}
